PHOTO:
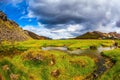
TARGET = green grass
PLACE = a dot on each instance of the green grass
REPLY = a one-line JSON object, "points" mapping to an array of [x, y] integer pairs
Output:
{"points": [[12, 70], [114, 72], [71, 44], [21, 57], [69, 66]]}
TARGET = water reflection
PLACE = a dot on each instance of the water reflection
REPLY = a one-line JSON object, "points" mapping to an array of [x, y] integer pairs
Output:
{"points": [[80, 51]]}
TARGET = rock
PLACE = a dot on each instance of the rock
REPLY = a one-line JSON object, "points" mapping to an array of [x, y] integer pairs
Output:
{"points": [[52, 62], [29, 56], [3, 16], [5, 68], [39, 57], [14, 76], [55, 73], [116, 44], [93, 47], [95, 75]]}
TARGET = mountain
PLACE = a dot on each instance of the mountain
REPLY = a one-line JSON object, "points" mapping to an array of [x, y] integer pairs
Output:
{"points": [[10, 31], [35, 36], [99, 35]]}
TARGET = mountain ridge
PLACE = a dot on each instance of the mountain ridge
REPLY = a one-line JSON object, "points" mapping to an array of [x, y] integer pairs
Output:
{"points": [[99, 35], [35, 36], [10, 30]]}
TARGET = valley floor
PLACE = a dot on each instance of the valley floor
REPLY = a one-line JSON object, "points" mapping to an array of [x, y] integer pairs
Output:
{"points": [[28, 61]]}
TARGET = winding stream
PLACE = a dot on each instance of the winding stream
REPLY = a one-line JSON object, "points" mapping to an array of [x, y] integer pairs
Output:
{"points": [[103, 64]]}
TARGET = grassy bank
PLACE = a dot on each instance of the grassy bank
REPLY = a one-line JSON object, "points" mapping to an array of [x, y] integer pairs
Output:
{"points": [[114, 72], [40, 65]]}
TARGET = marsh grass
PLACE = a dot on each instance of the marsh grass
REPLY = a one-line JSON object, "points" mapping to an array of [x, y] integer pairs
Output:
{"points": [[42, 68], [114, 72], [71, 44], [31, 63]]}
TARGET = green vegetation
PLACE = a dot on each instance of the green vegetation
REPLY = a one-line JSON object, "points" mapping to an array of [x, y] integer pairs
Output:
{"points": [[71, 44], [114, 72], [39, 65], [26, 61]]}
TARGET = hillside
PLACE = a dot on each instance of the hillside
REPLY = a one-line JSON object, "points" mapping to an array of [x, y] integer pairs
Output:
{"points": [[35, 36], [10, 31], [99, 35]]}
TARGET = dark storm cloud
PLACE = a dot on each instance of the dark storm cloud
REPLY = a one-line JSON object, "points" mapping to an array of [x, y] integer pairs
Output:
{"points": [[73, 11], [60, 12], [55, 13], [102, 15]]}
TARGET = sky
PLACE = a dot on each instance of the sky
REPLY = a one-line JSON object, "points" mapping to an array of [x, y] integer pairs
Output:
{"points": [[64, 18]]}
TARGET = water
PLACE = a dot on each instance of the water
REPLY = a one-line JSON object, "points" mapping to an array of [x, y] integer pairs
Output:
{"points": [[100, 49], [95, 54], [55, 48], [79, 51]]}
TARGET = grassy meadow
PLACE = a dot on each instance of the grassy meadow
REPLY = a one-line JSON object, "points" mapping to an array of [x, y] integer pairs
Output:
{"points": [[27, 61]]}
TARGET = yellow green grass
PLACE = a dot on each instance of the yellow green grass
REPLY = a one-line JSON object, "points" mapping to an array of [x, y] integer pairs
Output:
{"points": [[69, 66], [26, 60], [71, 44], [114, 72]]}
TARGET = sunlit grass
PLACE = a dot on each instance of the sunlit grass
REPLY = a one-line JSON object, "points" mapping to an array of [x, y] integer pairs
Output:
{"points": [[114, 72], [71, 44], [27, 60], [69, 66]]}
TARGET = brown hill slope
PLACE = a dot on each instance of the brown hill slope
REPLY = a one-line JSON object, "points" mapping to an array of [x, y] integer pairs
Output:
{"points": [[99, 35], [35, 36], [10, 31]]}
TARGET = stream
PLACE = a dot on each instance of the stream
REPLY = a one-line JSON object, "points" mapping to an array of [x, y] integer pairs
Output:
{"points": [[103, 63]]}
